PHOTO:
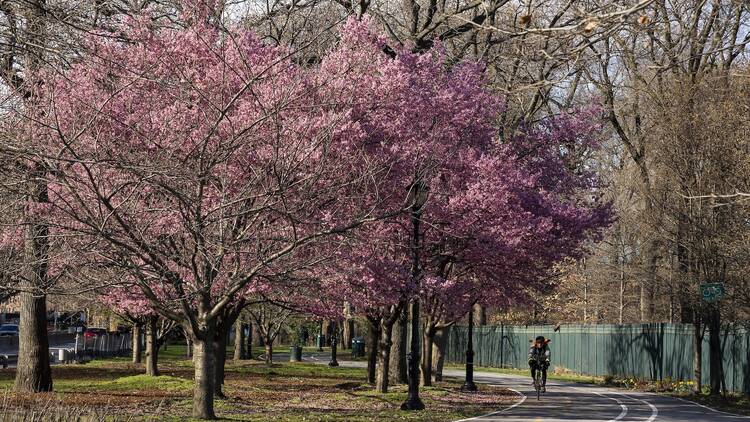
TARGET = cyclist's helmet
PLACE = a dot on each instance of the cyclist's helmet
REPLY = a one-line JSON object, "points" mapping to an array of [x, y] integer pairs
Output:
{"points": [[540, 340]]}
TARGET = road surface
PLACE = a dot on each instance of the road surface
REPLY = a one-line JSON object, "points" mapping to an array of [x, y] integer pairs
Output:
{"points": [[55, 345], [566, 402]]}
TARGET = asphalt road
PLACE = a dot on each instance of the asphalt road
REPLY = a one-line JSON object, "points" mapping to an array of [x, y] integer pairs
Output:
{"points": [[565, 402], [54, 347]]}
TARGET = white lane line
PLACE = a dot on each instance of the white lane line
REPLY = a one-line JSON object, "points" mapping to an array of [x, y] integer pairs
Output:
{"points": [[654, 410], [623, 407], [518, 403], [734, 415]]}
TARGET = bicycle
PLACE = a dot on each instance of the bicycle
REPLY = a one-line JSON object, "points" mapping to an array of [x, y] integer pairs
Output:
{"points": [[538, 381], [540, 363]]}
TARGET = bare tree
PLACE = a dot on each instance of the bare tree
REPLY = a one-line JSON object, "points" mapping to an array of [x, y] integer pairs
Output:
{"points": [[683, 39], [270, 321]]}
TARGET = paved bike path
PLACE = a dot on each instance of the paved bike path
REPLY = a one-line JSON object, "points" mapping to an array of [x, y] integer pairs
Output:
{"points": [[565, 402]]}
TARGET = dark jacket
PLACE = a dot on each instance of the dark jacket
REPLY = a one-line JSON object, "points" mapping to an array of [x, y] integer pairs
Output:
{"points": [[539, 355]]}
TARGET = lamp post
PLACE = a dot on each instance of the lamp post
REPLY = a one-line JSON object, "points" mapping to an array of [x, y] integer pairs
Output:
{"points": [[469, 382], [418, 195], [334, 337]]}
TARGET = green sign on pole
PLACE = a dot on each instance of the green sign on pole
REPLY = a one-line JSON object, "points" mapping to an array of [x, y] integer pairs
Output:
{"points": [[712, 292]]}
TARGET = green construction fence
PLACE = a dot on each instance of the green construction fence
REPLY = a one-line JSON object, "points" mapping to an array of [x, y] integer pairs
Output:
{"points": [[643, 351]]}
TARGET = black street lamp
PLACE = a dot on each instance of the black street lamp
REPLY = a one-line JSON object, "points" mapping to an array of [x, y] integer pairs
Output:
{"points": [[333, 361], [469, 383], [418, 197]]}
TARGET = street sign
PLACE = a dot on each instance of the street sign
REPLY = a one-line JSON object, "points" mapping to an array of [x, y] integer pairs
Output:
{"points": [[712, 292]]}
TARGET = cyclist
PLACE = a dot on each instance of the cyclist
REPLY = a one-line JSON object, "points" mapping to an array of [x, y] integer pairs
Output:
{"points": [[539, 360]]}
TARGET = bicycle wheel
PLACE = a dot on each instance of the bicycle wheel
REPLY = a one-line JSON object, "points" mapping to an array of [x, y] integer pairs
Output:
{"points": [[538, 383]]}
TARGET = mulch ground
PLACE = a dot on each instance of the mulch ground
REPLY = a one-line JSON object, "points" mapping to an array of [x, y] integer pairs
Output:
{"points": [[117, 390]]}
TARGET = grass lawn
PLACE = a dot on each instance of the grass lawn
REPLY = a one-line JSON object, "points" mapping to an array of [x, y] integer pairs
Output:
{"points": [[115, 389], [552, 375]]}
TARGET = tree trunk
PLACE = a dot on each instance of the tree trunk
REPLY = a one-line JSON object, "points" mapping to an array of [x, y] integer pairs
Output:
{"points": [[372, 350], [398, 350], [188, 346], [438, 354], [716, 368], [152, 348], [648, 286], [137, 345], [239, 340], [427, 342], [621, 305], [348, 333], [327, 331], [33, 372], [220, 357], [384, 358], [698, 356], [257, 335], [250, 340], [269, 352], [205, 365], [480, 314], [347, 327]]}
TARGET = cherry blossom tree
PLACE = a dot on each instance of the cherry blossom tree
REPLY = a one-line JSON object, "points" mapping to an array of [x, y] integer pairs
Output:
{"points": [[211, 168], [496, 217], [198, 161], [518, 210], [129, 302], [422, 115]]}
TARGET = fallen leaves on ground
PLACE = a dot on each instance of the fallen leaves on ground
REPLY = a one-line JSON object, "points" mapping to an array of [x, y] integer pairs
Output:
{"points": [[288, 392]]}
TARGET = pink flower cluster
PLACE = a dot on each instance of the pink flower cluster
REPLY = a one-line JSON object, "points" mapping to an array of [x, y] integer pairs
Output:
{"points": [[209, 166]]}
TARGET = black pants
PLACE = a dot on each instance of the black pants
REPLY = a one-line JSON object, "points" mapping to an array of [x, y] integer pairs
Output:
{"points": [[543, 368]]}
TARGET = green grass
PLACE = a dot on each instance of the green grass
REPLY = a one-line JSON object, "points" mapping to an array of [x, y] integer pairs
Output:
{"points": [[146, 382], [175, 356], [732, 403], [255, 391], [567, 377]]}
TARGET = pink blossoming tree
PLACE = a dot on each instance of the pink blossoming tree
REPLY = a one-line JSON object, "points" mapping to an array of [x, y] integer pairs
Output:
{"points": [[198, 161], [212, 169], [496, 217], [129, 302]]}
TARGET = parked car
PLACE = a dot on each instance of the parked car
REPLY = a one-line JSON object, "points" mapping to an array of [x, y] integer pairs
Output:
{"points": [[122, 329], [7, 330], [94, 332]]}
